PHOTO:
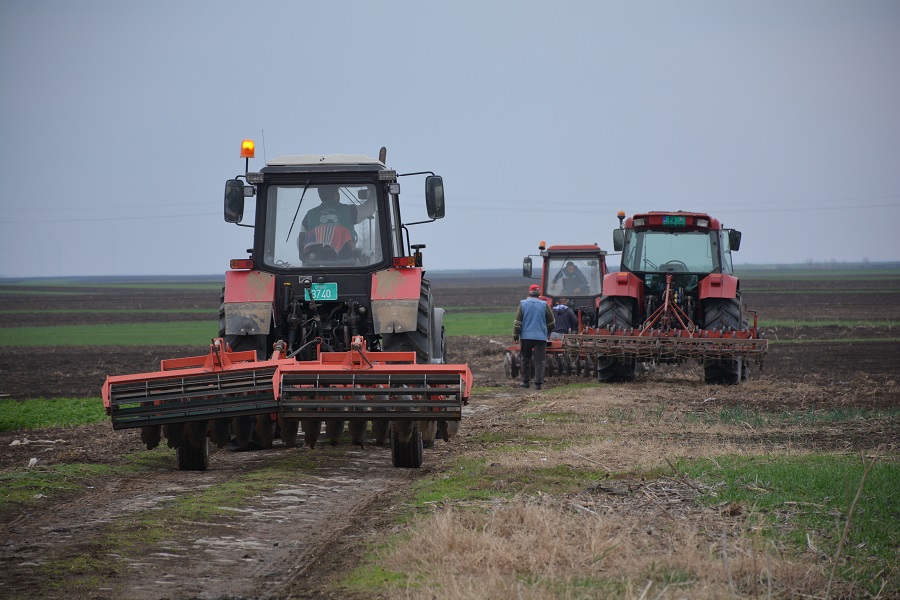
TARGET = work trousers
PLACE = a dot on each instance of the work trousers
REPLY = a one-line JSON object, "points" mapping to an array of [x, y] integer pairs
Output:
{"points": [[536, 349]]}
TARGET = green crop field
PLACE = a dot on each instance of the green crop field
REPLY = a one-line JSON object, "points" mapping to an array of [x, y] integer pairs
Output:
{"points": [[176, 333]]}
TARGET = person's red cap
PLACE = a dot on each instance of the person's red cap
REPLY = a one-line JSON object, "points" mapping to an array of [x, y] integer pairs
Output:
{"points": [[534, 287]]}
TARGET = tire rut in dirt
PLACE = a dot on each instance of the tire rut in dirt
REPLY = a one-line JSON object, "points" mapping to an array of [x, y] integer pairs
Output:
{"points": [[263, 545]]}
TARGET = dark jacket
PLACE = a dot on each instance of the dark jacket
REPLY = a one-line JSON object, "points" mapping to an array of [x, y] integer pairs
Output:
{"points": [[566, 319]]}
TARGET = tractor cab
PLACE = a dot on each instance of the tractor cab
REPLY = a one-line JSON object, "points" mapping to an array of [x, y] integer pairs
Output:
{"points": [[329, 213], [572, 272], [331, 258], [676, 249]]}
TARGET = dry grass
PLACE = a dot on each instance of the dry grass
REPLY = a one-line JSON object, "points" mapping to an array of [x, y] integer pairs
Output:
{"points": [[638, 531], [538, 548]]}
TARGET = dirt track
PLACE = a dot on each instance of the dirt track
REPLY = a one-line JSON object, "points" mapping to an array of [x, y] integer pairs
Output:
{"points": [[289, 544]]}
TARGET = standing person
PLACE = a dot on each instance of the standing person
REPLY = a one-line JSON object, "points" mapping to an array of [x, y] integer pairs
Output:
{"points": [[534, 320], [566, 320]]}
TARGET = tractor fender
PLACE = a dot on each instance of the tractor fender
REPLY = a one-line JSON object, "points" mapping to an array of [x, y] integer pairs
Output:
{"points": [[249, 302], [718, 285], [623, 283], [395, 299]]}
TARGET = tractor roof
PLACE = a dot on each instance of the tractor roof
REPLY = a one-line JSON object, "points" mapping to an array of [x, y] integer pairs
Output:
{"points": [[324, 159], [324, 162], [584, 248], [672, 220]]}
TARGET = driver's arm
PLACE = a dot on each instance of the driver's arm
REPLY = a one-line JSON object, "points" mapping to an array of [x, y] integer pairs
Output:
{"points": [[301, 237], [365, 210]]}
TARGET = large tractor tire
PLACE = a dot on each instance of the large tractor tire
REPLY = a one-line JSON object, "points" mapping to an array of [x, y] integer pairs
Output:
{"points": [[193, 450], [420, 341], [428, 342], [245, 430], [406, 446], [724, 314], [615, 314]]}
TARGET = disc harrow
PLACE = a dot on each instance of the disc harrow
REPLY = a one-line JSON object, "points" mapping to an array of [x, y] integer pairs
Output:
{"points": [[671, 345], [362, 385], [355, 385], [221, 383]]}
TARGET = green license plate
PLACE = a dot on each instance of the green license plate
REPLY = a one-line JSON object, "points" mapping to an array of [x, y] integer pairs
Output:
{"points": [[673, 221], [321, 292]]}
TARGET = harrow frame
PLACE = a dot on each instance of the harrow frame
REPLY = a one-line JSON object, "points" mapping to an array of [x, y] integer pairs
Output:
{"points": [[354, 385]]}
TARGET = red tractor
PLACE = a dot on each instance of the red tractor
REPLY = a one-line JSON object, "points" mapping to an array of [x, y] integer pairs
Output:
{"points": [[328, 320], [674, 298], [573, 272]]}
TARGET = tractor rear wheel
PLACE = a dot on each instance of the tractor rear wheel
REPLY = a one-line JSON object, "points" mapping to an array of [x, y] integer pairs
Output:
{"points": [[193, 449], [615, 313], [410, 454], [241, 427], [245, 427], [724, 314], [419, 341]]}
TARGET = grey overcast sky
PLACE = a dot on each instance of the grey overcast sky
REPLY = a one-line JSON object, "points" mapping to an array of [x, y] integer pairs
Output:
{"points": [[121, 122]]}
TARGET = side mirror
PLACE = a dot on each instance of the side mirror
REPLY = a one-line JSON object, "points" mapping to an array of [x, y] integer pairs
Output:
{"points": [[234, 201], [618, 239], [734, 240], [526, 267], [434, 196]]}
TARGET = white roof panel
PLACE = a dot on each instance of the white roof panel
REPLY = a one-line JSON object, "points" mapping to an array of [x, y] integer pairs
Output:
{"points": [[323, 159]]}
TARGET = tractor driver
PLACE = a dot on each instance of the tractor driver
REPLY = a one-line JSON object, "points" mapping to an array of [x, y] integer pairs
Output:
{"points": [[327, 231], [573, 280]]}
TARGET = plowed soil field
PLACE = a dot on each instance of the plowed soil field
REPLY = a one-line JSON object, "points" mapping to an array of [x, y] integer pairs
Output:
{"points": [[836, 347]]}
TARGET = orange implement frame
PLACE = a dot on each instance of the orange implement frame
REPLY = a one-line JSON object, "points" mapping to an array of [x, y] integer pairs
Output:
{"points": [[363, 385], [221, 383], [355, 385]]}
